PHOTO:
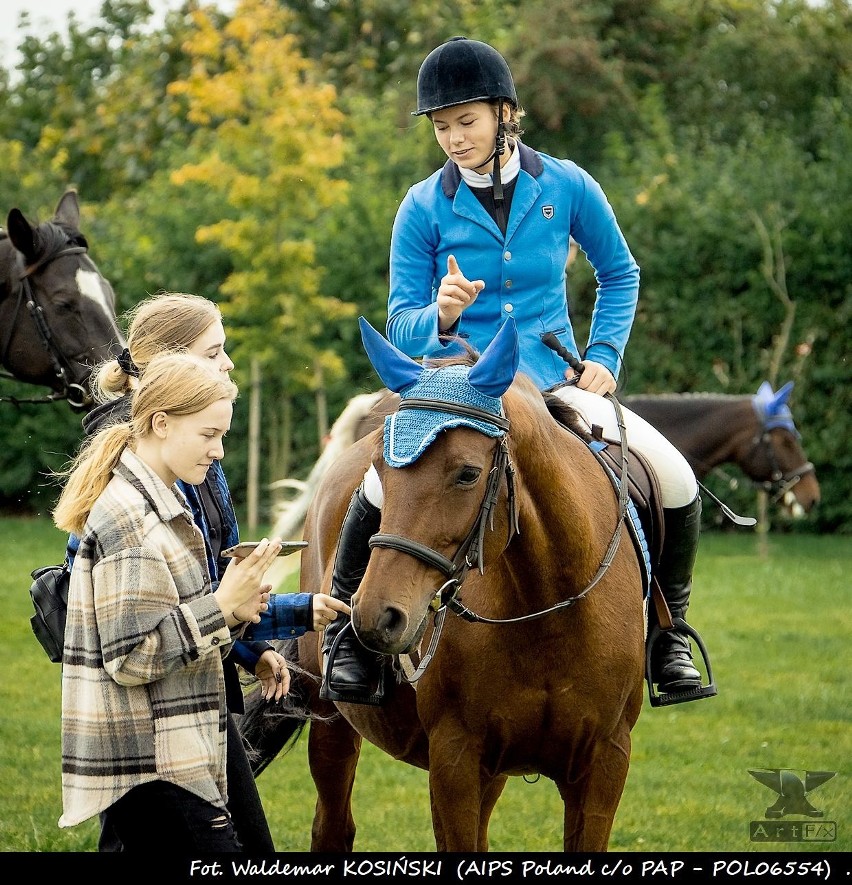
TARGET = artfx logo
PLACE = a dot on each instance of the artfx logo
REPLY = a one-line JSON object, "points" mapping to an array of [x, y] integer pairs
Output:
{"points": [[793, 789]]}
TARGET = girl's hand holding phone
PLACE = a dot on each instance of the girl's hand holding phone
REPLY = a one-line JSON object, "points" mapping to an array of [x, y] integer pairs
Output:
{"points": [[241, 594]]}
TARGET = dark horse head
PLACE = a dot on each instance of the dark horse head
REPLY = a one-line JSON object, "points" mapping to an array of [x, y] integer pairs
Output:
{"points": [[57, 313], [756, 433]]}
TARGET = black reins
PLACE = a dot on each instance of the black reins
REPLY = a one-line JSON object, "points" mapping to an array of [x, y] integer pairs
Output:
{"points": [[74, 393]]}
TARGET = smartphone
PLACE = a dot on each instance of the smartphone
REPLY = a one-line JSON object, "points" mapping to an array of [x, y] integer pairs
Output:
{"points": [[246, 547]]}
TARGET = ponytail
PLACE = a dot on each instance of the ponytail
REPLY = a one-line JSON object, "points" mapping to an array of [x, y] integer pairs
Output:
{"points": [[88, 476]]}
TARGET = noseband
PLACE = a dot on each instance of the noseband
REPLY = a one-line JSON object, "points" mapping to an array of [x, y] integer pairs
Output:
{"points": [[470, 551], [74, 393]]}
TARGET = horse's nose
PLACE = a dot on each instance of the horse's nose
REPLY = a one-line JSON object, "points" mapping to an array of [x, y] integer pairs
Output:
{"points": [[381, 631]]}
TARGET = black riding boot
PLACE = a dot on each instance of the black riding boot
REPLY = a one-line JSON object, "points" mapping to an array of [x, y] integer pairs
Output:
{"points": [[671, 665], [354, 673]]}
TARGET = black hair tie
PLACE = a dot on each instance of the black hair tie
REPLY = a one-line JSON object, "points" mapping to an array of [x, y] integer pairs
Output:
{"points": [[126, 364]]}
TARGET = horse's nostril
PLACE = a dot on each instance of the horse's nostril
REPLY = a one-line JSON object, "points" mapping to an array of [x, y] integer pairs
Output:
{"points": [[392, 622], [388, 626]]}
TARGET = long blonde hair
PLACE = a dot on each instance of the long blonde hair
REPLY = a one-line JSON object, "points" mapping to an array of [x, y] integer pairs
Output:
{"points": [[174, 383], [165, 321]]}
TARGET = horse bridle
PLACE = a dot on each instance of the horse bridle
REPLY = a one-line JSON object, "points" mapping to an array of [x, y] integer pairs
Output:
{"points": [[780, 482], [471, 549], [74, 393]]}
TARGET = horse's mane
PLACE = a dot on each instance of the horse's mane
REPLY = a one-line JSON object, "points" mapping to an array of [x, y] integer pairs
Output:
{"points": [[51, 237], [679, 397], [566, 415], [468, 356]]}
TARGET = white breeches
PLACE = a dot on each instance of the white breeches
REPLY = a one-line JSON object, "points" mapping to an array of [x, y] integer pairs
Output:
{"points": [[677, 481]]}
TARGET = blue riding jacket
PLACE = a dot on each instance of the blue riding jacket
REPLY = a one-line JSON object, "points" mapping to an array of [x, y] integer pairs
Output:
{"points": [[524, 271]]}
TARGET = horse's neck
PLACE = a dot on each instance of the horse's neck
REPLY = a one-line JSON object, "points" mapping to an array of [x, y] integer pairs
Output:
{"points": [[720, 433], [708, 431], [567, 509], [8, 305]]}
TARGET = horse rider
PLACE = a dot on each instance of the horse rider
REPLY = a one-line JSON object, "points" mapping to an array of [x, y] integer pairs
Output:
{"points": [[485, 238]]}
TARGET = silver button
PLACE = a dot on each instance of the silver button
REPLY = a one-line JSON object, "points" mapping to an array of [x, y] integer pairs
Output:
{"points": [[214, 640], [507, 255], [508, 308], [508, 284]]}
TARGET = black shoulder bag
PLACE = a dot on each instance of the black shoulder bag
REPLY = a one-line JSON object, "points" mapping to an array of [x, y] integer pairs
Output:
{"points": [[49, 593]]}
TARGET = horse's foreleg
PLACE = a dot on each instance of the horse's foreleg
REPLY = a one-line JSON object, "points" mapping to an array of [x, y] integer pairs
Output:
{"points": [[333, 751], [592, 800], [490, 795], [462, 798]]}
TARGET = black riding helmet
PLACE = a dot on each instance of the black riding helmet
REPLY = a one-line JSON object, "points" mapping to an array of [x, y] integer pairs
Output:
{"points": [[462, 70]]}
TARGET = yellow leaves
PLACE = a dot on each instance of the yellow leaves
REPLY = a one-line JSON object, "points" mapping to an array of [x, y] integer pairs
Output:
{"points": [[213, 168], [51, 144], [269, 138]]}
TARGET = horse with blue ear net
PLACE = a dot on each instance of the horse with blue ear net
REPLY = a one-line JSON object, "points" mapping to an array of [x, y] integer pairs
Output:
{"points": [[432, 401], [495, 593]]}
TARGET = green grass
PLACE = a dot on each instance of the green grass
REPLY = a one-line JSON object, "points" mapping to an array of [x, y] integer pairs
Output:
{"points": [[777, 629]]}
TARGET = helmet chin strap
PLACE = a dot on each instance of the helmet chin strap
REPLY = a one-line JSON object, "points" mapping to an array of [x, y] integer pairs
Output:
{"points": [[497, 183]]}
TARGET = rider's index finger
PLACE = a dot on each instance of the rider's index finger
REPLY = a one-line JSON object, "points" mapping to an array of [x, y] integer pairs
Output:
{"points": [[452, 264]]}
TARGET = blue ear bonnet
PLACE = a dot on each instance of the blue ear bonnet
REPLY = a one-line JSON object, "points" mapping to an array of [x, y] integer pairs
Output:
{"points": [[772, 408], [409, 432]]}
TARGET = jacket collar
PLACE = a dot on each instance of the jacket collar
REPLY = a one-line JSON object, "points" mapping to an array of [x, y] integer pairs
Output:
{"points": [[451, 176], [167, 503]]}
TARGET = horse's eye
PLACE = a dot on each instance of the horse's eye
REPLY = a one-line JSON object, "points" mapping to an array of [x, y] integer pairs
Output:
{"points": [[468, 476]]}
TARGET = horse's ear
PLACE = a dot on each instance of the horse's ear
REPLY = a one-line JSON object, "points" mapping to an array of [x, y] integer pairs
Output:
{"points": [[495, 370], [68, 210], [396, 369], [783, 395], [21, 234]]}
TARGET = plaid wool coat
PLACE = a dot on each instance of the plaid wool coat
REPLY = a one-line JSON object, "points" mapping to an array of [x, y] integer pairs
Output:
{"points": [[142, 681]]}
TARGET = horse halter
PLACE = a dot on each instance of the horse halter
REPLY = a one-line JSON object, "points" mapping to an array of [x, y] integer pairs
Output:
{"points": [[470, 551], [780, 481], [76, 394]]}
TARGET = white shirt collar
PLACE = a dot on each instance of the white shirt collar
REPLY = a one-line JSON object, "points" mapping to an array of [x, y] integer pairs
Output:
{"points": [[508, 173]]}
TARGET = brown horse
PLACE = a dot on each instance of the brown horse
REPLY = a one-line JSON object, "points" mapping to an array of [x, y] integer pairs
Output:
{"points": [[57, 312], [547, 677], [756, 433]]}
